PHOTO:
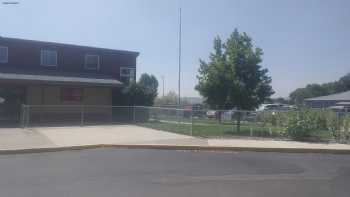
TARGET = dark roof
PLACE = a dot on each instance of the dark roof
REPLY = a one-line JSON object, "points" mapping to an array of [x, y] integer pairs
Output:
{"points": [[342, 96], [48, 77], [69, 45]]}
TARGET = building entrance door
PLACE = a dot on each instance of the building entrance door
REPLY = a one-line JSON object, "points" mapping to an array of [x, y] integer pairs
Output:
{"points": [[11, 99]]}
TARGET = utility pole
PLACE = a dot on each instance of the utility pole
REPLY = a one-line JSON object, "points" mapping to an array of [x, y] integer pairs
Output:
{"points": [[179, 82]]}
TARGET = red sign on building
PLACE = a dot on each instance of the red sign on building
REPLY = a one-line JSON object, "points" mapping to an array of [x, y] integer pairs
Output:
{"points": [[72, 94]]}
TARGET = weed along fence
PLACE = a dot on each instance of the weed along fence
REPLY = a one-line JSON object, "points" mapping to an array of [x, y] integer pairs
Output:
{"points": [[303, 124]]}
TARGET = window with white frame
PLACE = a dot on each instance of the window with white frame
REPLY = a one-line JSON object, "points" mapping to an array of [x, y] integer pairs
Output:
{"points": [[127, 74], [3, 54], [48, 57], [92, 62]]}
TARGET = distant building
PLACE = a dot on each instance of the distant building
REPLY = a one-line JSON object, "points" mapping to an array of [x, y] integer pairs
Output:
{"points": [[341, 99]]}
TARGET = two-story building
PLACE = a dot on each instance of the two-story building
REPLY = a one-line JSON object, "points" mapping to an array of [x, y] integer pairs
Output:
{"points": [[47, 73]]}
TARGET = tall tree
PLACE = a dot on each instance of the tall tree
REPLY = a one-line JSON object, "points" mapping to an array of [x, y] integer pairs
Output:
{"points": [[233, 77], [212, 79], [142, 93], [149, 82], [149, 87], [344, 83]]}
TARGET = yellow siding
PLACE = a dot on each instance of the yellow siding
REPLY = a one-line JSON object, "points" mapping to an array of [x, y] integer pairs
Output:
{"points": [[51, 95]]}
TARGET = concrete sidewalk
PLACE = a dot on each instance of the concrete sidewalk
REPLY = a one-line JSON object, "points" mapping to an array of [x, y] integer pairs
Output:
{"points": [[15, 139]]}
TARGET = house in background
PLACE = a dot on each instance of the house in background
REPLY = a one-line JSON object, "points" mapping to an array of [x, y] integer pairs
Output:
{"points": [[335, 101], [46, 73]]}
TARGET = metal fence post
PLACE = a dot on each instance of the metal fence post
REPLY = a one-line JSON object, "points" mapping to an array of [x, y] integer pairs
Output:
{"points": [[82, 115], [133, 114], [178, 118], [192, 122], [233, 126], [27, 116], [22, 116], [111, 115]]}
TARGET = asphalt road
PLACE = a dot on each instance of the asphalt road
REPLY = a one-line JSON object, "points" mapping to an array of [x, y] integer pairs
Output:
{"points": [[160, 173]]}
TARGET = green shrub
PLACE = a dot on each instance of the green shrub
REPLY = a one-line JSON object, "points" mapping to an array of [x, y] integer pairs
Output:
{"points": [[274, 119], [268, 118], [345, 130], [306, 124], [333, 123]]}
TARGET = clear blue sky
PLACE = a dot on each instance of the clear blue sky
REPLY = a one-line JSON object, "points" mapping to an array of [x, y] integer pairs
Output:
{"points": [[303, 41]]}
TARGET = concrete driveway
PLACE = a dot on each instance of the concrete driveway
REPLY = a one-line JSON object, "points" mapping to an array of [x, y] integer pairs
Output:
{"points": [[46, 137], [16, 138]]}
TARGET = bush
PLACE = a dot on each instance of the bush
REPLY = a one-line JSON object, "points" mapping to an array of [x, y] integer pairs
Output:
{"points": [[344, 135], [307, 124], [273, 118], [142, 93]]}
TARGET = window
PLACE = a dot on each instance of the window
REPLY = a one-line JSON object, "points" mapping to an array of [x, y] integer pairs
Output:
{"points": [[92, 62], [48, 58], [72, 94], [3, 54], [127, 74]]}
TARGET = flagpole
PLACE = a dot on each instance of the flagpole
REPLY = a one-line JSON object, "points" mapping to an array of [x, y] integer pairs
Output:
{"points": [[179, 79]]}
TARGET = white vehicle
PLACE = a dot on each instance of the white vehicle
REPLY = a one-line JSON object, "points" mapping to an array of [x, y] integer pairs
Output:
{"points": [[211, 114], [227, 115], [275, 107]]}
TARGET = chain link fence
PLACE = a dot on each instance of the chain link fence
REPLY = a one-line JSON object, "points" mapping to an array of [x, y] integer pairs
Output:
{"points": [[310, 125]]}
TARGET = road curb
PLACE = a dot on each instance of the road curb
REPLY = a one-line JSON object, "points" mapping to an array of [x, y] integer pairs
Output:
{"points": [[176, 147]]}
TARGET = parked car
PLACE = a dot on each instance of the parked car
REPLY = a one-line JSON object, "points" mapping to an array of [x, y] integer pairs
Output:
{"points": [[195, 110], [276, 107], [227, 115], [187, 111], [273, 107], [211, 114]]}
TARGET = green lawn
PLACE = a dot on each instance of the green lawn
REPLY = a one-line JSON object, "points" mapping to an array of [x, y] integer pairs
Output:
{"points": [[165, 126], [206, 129], [209, 129], [227, 130]]}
